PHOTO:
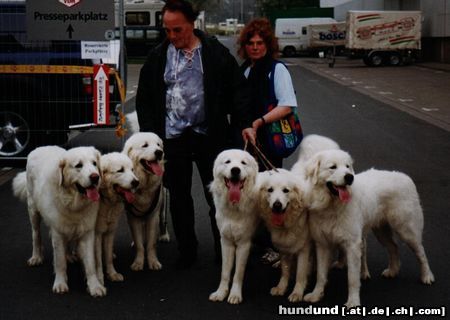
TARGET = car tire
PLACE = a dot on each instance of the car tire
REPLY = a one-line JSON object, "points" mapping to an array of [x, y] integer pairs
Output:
{"points": [[394, 59], [376, 59], [289, 51]]}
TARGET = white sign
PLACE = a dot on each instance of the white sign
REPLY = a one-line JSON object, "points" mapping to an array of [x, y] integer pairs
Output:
{"points": [[69, 19], [95, 50], [101, 94]]}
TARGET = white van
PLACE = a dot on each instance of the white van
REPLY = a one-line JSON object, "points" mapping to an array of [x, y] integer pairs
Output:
{"points": [[292, 33]]}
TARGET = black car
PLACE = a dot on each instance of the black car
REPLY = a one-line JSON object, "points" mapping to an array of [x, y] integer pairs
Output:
{"points": [[46, 87]]}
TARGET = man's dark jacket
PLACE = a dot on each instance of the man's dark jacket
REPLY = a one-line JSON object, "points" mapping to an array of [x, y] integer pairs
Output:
{"points": [[225, 92]]}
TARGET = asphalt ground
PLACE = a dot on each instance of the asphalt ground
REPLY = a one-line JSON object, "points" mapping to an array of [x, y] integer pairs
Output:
{"points": [[373, 131]]}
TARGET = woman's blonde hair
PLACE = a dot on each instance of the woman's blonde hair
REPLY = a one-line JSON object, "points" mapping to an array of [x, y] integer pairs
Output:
{"points": [[263, 28]]}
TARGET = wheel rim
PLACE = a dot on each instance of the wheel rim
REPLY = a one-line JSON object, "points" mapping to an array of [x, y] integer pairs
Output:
{"points": [[376, 60], [14, 134], [394, 60]]}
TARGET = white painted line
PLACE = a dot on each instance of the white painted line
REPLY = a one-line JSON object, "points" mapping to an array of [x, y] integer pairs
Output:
{"points": [[357, 82], [369, 87], [405, 100], [384, 92], [430, 109]]}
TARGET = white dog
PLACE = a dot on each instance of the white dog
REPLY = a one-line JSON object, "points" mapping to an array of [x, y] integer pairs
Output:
{"points": [[145, 149], [62, 189], [343, 207], [309, 146], [280, 206], [118, 185], [234, 195]]}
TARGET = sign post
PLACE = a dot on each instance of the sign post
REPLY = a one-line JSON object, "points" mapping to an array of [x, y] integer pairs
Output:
{"points": [[101, 94]]}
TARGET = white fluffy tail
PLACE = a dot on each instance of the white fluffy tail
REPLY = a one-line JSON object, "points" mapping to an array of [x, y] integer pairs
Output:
{"points": [[19, 186], [132, 122]]}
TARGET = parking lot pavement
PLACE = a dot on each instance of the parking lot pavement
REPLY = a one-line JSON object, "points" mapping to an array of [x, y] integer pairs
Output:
{"points": [[420, 90]]}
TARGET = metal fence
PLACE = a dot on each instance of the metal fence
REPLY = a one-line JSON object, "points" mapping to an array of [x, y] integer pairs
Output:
{"points": [[45, 87]]}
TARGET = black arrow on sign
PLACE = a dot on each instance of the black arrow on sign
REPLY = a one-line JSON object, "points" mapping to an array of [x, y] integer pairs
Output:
{"points": [[70, 30]]}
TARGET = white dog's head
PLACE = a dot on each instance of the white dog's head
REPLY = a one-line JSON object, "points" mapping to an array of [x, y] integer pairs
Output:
{"points": [[332, 169], [145, 149], [234, 170], [118, 177], [80, 171], [279, 198]]}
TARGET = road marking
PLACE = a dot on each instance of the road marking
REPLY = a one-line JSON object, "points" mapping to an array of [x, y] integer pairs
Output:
{"points": [[405, 100], [345, 78], [430, 109], [357, 82], [384, 92], [369, 87]]}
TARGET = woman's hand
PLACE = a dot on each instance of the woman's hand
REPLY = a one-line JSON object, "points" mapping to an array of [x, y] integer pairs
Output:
{"points": [[249, 135]]}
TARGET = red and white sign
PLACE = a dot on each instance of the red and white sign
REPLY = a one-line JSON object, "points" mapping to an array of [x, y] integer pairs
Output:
{"points": [[69, 3], [101, 94]]}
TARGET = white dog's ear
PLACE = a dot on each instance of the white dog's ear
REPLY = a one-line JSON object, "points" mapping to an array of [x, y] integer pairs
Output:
{"points": [[62, 165], [312, 169]]}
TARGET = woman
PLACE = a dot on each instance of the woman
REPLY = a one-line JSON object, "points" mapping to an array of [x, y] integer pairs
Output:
{"points": [[259, 48]]}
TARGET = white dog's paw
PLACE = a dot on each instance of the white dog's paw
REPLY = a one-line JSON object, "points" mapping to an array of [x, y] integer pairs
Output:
{"points": [[218, 295], [389, 273], [338, 264], [97, 290], [352, 302], [35, 261], [313, 297], [295, 296], [60, 287], [278, 291], [137, 265], [115, 277], [154, 265], [235, 297], [427, 278], [164, 237], [365, 275]]}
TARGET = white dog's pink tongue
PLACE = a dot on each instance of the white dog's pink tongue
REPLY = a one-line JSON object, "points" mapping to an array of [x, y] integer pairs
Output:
{"points": [[234, 192], [92, 193], [344, 195], [129, 196], [156, 168], [277, 219]]}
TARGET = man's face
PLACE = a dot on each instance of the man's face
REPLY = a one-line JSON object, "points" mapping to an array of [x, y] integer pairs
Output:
{"points": [[178, 29]]}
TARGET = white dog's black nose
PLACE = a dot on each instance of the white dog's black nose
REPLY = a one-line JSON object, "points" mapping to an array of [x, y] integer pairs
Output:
{"points": [[158, 154], [94, 178], [277, 206], [235, 173], [348, 179], [135, 183]]}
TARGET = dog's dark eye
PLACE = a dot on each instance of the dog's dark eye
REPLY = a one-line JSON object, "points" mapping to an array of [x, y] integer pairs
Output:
{"points": [[333, 167], [145, 145], [79, 165], [348, 167], [227, 162], [286, 190], [94, 163], [244, 163], [270, 190], [121, 170]]}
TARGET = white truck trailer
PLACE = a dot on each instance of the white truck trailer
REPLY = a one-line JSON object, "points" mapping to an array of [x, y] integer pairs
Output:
{"points": [[293, 35], [384, 37]]}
